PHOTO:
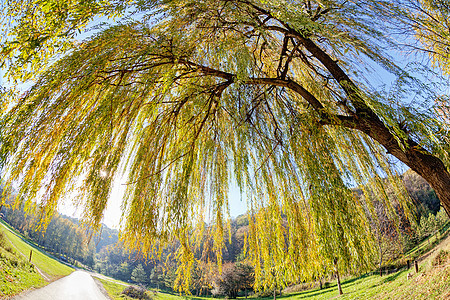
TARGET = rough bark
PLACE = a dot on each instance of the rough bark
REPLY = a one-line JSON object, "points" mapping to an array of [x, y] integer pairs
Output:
{"points": [[430, 167]]}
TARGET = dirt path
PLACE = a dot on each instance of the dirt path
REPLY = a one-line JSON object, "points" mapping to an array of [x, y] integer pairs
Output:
{"points": [[77, 286]]}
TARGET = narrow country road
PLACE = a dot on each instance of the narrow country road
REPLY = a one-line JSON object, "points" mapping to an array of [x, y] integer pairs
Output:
{"points": [[77, 286]]}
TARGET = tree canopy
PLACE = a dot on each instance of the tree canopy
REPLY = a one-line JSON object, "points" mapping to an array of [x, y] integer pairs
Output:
{"points": [[182, 97]]}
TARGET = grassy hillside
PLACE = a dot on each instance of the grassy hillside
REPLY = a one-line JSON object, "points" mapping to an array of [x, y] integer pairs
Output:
{"points": [[52, 268], [431, 282], [16, 273]]}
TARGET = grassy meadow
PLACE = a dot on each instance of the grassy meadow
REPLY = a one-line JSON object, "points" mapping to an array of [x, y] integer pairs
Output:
{"points": [[431, 282], [52, 268]]}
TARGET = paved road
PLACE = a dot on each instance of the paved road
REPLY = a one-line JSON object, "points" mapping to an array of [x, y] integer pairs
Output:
{"points": [[77, 286]]}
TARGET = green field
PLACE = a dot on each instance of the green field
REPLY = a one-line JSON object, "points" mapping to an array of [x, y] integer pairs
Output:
{"points": [[427, 284], [51, 268], [113, 289]]}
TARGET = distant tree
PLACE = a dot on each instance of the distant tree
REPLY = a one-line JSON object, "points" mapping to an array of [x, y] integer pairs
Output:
{"points": [[234, 278], [246, 276], [124, 271], [170, 276], [138, 275], [386, 235], [425, 226], [442, 218], [157, 276], [227, 283]]}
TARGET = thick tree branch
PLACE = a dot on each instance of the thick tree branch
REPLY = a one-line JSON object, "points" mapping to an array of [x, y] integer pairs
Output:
{"points": [[326, 118]]}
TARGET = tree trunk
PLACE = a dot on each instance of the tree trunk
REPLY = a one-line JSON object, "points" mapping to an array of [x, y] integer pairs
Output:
{"points": [[337, 275], [430, 167], [381, 252]]}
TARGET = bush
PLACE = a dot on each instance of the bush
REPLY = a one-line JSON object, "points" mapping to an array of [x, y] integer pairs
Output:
{"points": [[2, 239], [264, 293], [441, 257], [296, 288], [136, 293]]}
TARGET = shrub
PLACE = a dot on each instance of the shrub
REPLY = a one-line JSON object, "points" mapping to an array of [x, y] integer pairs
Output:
{"points": [[136, 293], [2, 239], [296, 288], [441, 257]]}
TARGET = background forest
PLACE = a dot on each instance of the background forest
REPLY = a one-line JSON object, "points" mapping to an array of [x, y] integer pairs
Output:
{"points": [[103, 252]]}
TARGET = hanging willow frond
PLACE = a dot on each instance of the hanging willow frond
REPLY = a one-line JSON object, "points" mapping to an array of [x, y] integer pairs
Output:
{"points": [[217, 91]]}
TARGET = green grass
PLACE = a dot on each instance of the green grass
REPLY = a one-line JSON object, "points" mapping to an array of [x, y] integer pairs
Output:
{"points": [[16, 274], [432, 282], [429, 283], [114, 289], [51, 267], [164, 296]]}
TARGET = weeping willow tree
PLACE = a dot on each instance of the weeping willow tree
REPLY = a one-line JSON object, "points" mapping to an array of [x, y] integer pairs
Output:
{"points": [[183, 97]]}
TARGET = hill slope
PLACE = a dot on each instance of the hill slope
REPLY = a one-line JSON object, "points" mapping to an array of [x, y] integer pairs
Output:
{"points": [[431, 282], [16, 273]]}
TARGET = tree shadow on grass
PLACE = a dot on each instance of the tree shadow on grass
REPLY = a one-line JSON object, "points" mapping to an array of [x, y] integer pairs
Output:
{"points": [[308, 294], [392, 277], [329, 289]]}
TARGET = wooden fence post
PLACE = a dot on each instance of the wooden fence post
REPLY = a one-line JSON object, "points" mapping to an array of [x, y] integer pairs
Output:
{"points": [[416, 265], [31, 252]]}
